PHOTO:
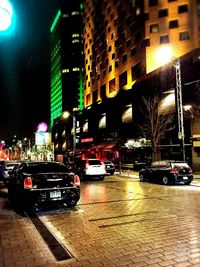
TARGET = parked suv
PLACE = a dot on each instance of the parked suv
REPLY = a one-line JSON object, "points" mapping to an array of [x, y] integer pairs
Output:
{"points": [[167, 172], [110, 167], [90, 168]]}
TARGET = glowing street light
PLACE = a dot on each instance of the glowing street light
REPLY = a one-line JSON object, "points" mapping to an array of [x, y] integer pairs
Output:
{"points": [[164, 55]]}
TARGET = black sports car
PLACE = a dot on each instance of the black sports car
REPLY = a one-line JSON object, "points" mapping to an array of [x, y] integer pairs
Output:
{"points": [[36, 183], [167, 172]]}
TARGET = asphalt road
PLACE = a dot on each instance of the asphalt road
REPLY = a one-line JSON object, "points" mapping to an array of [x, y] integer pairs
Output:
{"points": [[117, 222]]}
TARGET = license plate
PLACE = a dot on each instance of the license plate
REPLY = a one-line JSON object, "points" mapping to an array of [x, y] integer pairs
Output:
{"points": [[108, 167], [55, 194], [185, 178]]}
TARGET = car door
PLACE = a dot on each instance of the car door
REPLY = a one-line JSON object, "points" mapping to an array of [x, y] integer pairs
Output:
{"points": [[150, 171]]}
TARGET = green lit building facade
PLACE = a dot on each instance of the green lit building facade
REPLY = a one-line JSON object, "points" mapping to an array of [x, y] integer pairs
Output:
{"points": [[66, 60]]}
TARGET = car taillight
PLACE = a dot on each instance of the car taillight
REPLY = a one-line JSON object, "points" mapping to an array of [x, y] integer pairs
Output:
{"points": [[28, 183], [174, 171], [76, 180], [102, 162], [190, 170]]}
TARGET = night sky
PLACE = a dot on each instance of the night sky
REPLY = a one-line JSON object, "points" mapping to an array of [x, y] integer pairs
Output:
{"points": [[24, 69]]}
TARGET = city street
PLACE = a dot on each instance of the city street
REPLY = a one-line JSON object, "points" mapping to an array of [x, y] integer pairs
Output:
{"points": [[117, 222]]}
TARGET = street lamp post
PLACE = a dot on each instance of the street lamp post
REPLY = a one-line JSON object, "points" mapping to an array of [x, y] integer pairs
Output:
{"points": [[164, 55], [179, 107]]}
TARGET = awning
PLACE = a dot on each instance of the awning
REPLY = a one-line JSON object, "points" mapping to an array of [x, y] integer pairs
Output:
{"points": [[107, 146]]}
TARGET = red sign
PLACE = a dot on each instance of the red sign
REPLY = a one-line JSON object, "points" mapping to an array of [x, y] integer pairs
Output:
{"points": [[87, 140]]}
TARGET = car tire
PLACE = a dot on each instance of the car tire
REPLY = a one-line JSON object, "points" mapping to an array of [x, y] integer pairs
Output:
{"points": [[187, 183], [72, 203], [141, 177], [165, 180]]}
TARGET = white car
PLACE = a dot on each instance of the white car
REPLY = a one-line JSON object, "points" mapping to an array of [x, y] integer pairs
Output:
{"points": [[90, 168]]}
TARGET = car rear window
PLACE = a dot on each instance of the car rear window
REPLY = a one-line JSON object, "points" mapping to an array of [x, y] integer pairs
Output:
{"points": [[94, 162], [45, 168], [179, 165], [107, 162]]}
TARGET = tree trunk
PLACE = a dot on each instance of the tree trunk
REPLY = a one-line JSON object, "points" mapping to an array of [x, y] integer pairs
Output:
{"points": [[156, 155]]}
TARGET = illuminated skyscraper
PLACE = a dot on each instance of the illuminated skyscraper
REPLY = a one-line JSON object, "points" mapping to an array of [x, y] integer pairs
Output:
{"points": [[66, 59]]}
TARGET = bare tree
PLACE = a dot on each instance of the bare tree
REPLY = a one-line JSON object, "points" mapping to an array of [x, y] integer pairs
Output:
{"points": [[155, 123]]}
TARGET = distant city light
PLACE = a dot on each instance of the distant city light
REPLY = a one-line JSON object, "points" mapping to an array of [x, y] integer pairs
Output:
{"points": [[42, 127], [6, 14]]}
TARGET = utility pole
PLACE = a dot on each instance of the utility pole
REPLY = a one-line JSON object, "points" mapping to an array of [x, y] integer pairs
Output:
{"points": [[179, 107]]}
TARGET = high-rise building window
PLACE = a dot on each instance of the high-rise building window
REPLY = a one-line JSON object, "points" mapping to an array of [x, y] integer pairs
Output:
{"points": [[146, 42], [112, 85], [122, 79], [163, 13], [124, 58], [117, 63], [173, 24], [137, 71], [113, 55], [184, 36], [133, 51], [172, 0], [153, 3], [183, 9], [110, 68], [164, 39], [154, 28]]}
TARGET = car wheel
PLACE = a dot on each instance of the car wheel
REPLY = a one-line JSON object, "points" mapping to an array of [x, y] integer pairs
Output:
{"points": [[141, 177], [101, 178], [72, 203], [165, 180], [187, 183]]}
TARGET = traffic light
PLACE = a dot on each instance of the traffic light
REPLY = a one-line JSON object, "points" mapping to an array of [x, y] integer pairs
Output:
{"points": [[6, 18]]}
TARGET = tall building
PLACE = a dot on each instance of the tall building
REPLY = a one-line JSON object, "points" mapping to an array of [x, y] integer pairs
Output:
{"points": [[66, 59], [125, 45], [123, 38]]}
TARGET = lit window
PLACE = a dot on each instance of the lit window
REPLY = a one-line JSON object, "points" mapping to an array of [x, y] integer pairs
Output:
{"points": [[138, 11], [65, 70], [102, 122], [75, 35], [75, 41], [85, 127], [154, 28], [75, 13], [127, 115], [76, 69]]}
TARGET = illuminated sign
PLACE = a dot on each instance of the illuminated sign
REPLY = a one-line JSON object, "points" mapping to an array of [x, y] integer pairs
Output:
{"points": [[87, 140], [42, 138], [42, 127]]}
